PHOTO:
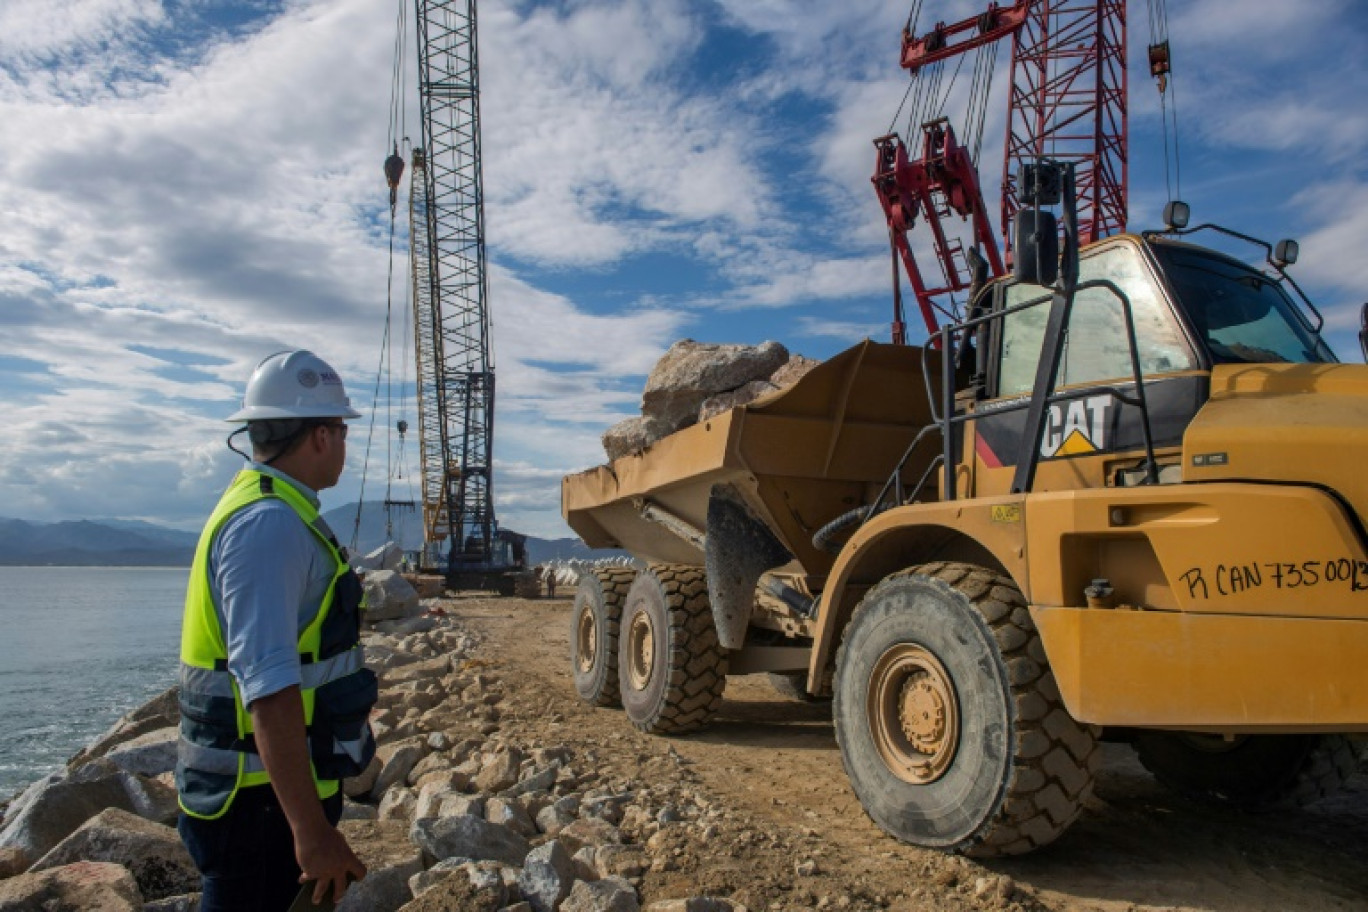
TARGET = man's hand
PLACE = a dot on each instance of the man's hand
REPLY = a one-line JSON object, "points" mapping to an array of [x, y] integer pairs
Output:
{"points": [[326, 859], [322, 852]]}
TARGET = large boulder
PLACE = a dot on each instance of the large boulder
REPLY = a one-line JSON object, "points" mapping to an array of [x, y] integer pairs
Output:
{"points": [[150, 754], [152, 852], [589, 831], [690, 372], [388, 556], [548, 874], [633, 435], [360, 786], [611, 895], [53, 808], [382, 889], [468, 836], [466, 886], [389, 596], [500, 770], [399, 759], [509, 813], [725, 402], [161, 711], [86, 886], [791, 371]]}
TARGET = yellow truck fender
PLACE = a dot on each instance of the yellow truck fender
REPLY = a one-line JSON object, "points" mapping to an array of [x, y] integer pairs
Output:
{"points": [[989, 532]]}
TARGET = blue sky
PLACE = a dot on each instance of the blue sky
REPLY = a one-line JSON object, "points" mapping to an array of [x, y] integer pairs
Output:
{"points": [[191, 185]]}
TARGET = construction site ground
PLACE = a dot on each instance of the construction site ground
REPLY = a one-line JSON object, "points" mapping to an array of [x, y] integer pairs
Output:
{"points": [[793, 835]]}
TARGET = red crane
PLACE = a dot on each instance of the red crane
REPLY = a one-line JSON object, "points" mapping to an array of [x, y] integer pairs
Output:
{"points": [[1067, 101]]}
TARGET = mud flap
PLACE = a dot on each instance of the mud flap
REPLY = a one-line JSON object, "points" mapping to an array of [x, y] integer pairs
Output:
{"points": [[739, 549]]}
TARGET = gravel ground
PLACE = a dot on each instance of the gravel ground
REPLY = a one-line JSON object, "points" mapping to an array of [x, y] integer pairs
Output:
{"points": [[782, 830]]}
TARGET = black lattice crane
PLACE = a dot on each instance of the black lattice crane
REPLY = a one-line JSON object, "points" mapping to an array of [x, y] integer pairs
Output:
{"points": [[455, 375]]}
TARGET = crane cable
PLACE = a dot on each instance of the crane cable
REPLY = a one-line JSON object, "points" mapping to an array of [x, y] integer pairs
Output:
{"points": [[909, 28], [394, 166], [929, 103], [1160, 63]]}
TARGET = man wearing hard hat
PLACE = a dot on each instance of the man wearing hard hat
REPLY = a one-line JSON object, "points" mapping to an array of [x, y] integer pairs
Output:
{"points": [[274, 695]]}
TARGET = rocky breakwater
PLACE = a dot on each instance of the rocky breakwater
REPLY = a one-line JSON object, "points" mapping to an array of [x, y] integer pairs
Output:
{"points": [[694, 381], [452, 814]]}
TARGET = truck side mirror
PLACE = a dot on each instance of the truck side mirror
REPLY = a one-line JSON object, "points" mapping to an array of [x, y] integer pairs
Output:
{"points": [[1285, 253], [1176, 215], [1036, 258], [1363, 331]]}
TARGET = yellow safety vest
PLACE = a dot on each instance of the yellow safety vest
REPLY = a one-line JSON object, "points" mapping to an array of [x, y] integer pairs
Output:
{"points": [[217, 751]]}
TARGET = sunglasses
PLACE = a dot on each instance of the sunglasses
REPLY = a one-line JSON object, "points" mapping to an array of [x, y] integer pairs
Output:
{"points": [[339, 426]]}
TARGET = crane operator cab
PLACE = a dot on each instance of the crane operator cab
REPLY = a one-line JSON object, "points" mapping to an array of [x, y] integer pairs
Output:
{"points": [[1192, 309]]}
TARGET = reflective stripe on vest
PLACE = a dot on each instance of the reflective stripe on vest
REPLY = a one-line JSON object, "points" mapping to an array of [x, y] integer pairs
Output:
{"points": [[216, 755], [215, 683], [218, 760]]}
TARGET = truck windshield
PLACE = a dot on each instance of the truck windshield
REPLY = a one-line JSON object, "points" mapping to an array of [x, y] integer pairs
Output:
{"points": [[1096, 349], [1241, 315]]}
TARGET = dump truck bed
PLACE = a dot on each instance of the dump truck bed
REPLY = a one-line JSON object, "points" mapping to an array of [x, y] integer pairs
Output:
{"points": [[798, 458]]}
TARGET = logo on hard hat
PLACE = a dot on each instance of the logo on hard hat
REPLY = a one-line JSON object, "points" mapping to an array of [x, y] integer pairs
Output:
{"points": [[307, 378]]}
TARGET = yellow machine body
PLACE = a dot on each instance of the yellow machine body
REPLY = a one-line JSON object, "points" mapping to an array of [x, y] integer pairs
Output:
{"points": [[1237, 588]]}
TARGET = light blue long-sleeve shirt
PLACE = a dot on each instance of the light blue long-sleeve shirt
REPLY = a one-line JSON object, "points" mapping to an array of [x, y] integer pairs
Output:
{"points": [[268, 574]]}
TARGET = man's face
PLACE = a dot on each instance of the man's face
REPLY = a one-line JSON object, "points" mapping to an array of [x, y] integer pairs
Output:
{"points": [[334, 456]]}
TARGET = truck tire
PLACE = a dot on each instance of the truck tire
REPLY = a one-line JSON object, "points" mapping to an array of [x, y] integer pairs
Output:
{"points": [[1251, 772], [671, 669], [594, 634], [950, 725]]}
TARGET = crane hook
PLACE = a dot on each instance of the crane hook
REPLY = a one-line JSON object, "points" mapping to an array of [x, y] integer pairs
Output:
{"points": [[394, 169]]}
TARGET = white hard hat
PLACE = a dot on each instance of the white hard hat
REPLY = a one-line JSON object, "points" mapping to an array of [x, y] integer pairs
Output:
{"points": [[294, 384]]}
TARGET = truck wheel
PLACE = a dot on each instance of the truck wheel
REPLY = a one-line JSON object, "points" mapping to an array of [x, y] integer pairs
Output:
{"points": [[951, 728], [671, 670], [594, 634], [1251, 772]]}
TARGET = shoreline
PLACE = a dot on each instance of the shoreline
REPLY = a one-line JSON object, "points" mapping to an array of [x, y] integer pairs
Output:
{"points": [[456, 810]]}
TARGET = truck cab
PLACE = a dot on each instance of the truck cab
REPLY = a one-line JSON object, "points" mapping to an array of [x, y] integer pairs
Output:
{"points": [[1194, 309]]}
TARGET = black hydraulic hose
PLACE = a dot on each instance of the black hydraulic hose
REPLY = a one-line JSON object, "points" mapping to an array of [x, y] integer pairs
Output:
{"points": [[824, 539]]}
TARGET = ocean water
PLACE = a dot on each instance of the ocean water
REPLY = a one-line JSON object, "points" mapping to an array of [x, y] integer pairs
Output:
{"points": [[79, 647]]}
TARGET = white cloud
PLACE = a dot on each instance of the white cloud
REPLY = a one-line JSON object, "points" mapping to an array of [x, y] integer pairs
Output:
{"points": [[591, 126], [816, 327], [30, 28], [1332, 251], [170, 219]]}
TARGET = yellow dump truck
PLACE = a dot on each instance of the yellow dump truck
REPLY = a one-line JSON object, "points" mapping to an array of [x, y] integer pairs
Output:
{"points": [[1131, 505]]}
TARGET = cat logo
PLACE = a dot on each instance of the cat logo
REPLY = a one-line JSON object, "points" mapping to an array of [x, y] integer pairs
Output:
{"points": [[1076, 428]]}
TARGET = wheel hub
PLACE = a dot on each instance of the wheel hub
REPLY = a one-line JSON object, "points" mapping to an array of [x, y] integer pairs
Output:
{"points": [[922, 714], [586, 639], [640, 651], [913, 713]]}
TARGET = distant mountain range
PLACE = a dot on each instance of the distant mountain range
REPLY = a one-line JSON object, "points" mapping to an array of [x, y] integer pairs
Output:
{"points": [[404, 527], [87, 543], [131, 543]]}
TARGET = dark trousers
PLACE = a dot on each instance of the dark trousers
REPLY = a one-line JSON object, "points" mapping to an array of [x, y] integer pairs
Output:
{"points": [[246, 858]]}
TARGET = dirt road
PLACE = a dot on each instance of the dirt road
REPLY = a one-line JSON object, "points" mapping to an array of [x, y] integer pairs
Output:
{"points": [[794, 837]]}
